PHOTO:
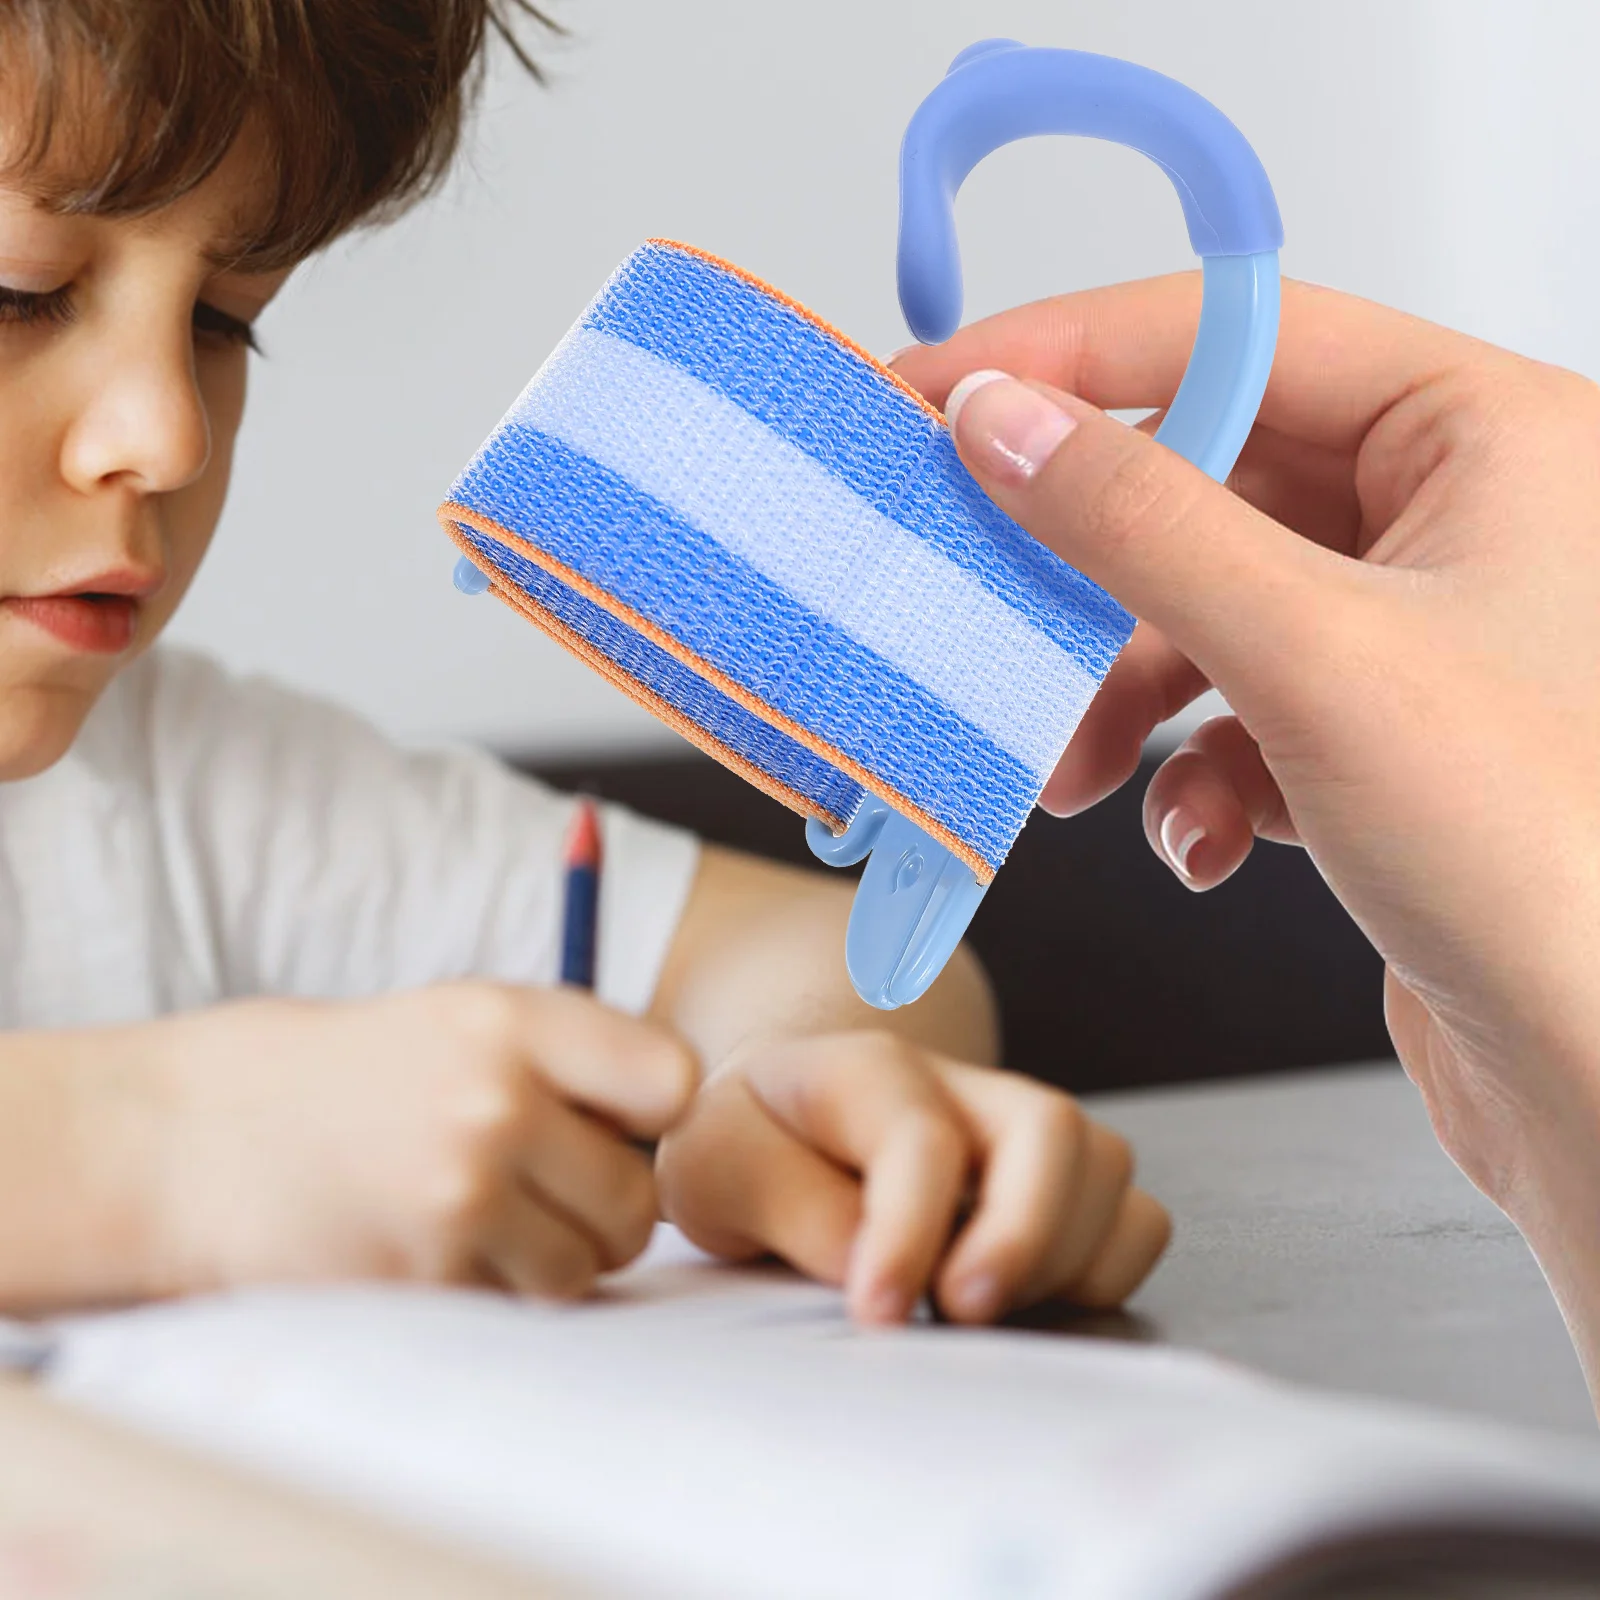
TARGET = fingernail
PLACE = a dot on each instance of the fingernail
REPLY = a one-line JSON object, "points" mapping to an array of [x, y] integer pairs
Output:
{"points": [[956, 401], [1181, 832], [978, 1296], [904, 350], [1015, 428]]}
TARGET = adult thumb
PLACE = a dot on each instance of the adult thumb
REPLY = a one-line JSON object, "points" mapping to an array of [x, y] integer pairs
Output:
{"points": [[1235, 591]]}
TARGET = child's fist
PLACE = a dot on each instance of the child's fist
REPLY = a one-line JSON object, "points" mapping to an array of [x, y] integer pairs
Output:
{"points": [[857, 1157], [466, 1133]]}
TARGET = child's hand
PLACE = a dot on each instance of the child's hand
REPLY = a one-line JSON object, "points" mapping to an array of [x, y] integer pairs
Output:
{"points": [[466, 1133], [853, 1156]]}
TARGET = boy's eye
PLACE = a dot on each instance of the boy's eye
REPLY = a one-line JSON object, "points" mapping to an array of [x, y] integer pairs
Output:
{"points": [[26, 307], [219, 325]]}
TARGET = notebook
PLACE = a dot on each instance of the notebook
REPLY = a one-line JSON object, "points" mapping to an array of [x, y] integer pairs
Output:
{"points": [[709, 1431]]}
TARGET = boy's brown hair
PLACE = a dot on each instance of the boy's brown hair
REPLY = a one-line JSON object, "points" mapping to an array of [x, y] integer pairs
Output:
{"points": [[360, 102]]}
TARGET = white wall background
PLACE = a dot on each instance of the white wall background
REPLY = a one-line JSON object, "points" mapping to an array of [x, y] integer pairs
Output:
{"points": [[1436, 154]]}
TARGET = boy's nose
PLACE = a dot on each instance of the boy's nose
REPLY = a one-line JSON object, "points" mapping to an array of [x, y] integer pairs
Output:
{"points": [[144, 425]]}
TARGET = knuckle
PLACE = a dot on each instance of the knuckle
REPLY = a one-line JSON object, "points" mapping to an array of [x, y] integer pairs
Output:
{"points": [[1058, 1121], [482, 1015], [1138, 498], [936, 1137]]}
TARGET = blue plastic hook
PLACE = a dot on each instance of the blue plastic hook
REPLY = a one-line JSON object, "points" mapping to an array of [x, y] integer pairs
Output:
{"points": [[468, 577], [916, 898]]}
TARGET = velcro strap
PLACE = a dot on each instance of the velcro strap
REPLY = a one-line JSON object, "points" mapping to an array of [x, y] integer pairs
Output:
{"points": [[765, 537]]}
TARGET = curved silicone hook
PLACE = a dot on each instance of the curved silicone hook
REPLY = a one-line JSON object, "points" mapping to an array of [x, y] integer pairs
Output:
{"points": [[916, 899], [998, 91]]}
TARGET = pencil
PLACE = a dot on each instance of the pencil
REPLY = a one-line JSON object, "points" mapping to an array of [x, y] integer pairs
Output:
{"points": [[580, 917]]}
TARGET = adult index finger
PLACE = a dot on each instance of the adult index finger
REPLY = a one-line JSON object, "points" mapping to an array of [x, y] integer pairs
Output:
{"points": [[1341, 361]]}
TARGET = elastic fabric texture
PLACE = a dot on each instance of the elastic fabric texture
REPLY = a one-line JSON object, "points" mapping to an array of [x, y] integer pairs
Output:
{"points": [[767, 539]]}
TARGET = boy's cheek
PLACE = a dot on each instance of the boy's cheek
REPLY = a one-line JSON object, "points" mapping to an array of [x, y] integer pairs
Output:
{"points": [[44, 695]]}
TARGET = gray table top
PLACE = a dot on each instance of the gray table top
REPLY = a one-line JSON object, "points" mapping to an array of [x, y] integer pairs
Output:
{"points": [[1322, 1235]]}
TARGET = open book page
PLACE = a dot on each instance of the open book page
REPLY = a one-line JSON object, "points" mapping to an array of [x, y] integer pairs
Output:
{"points": [[708, 1431]]}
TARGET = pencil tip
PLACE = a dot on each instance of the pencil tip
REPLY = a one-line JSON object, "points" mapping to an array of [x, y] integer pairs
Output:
{"points": [[583, 838]]}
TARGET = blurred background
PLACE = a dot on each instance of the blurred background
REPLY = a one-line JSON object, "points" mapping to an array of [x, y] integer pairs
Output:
{"points": [[1433, 154]]}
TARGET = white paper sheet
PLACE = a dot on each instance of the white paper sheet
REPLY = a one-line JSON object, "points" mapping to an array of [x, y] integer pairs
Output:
{"points": [[704, 1431]]}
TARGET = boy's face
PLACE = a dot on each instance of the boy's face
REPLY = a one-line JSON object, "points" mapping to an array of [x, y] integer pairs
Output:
{"points": [[123, 344]]}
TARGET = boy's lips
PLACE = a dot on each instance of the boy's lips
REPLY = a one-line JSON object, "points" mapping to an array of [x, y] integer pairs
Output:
{"points": [[95, 622], [98, 615]]}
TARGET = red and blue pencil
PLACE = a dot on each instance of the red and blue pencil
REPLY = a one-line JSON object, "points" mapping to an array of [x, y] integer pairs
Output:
{"points": [[580, 923]]}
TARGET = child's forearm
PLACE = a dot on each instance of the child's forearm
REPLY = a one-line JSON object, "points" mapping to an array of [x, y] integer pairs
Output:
{"points": [[80, 1115], [760, 952]]}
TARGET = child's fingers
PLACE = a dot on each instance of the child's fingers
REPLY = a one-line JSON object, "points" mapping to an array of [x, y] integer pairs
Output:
{"points": [[530, 1250], [588, 1173], [868, 1102], [1140, 1231], [1030, 1143], [740, 1184], [1105, 1178], [635, 1074], [1054, 1183], [1209, 802]]}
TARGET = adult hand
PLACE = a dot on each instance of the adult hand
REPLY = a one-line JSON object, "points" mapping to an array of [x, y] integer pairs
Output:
{"points": [[854, 1155], [1399, 595]]}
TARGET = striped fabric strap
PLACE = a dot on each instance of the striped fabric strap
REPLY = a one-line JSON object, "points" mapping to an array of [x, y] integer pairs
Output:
{"points": [[767, 539]]}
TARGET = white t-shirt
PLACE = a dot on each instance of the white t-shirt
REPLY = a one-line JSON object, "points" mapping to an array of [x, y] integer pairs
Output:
{"points": [[210, 837]]}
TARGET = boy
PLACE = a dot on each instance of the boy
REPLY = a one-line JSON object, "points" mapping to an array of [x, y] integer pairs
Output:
{"points": [[276, 995]]}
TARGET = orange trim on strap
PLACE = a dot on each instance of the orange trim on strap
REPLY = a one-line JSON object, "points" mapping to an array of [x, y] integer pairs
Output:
{"points": [[452, 515]]}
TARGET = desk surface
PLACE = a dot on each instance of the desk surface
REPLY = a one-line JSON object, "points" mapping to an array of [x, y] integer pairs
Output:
{"points": [[1322, 1235]]}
